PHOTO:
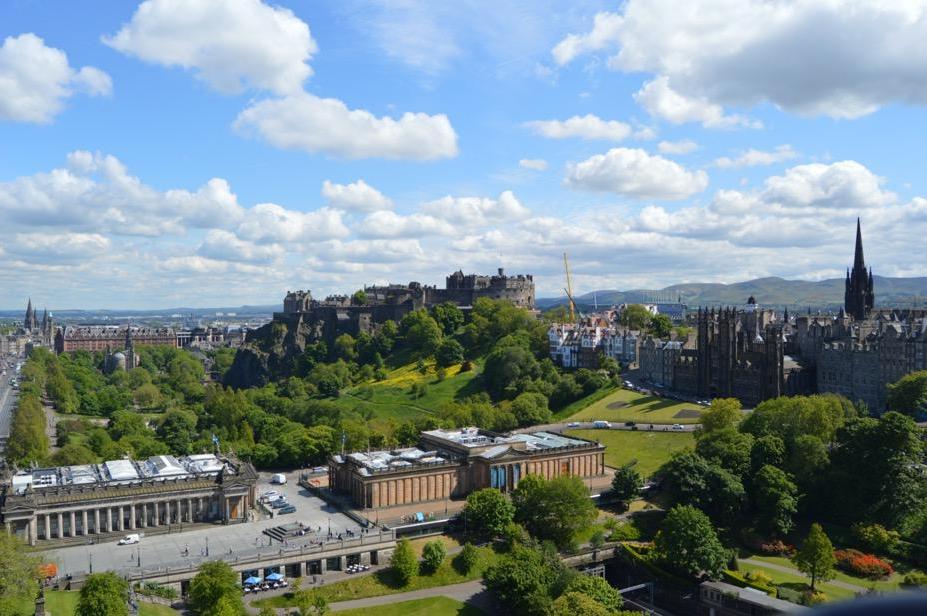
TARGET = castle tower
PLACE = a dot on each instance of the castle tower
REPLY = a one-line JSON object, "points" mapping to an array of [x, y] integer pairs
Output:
{"points": [[859, 295]]}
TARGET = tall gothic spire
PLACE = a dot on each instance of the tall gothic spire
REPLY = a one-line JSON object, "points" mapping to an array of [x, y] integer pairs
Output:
{"points": [[859, 296], [859, 263]]}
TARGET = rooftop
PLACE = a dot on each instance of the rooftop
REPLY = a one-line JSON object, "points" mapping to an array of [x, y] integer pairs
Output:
{"points": [[398, 459]]}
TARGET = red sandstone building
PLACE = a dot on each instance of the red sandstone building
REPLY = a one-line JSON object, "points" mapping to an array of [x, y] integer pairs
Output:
{"points": [[110, 337], [452, 464]]}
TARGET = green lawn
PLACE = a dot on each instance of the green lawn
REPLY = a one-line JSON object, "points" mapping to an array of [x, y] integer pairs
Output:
{"points": [[798, 582], [650, 449], [63, 603], [383, 582], [626, 405], [432, 606], [574, 407], [893, 582], [391, 398]]}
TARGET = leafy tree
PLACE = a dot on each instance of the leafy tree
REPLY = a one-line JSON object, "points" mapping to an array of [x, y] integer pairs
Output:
{"points": [[420, 332], [344, 347], [433, 555], [635, 316], [448, 316], [807, 459], [691, 479], [147, 396], [727, 448], [526, 580], [468, 558], [20, 572], [449, 352], [661, 326], [816, 556], [488, 511], [909, 394], [28, 440], [508, 367], [178, 429], [309, 602], [775, 498], [790, 417], [72, 454], [768, 449], [597, 589], [688, 541], [103, 594], [722, 413], [214, 591], [573, 603], [359, 298], [627, 482], [530, 409], [404, 563], [127, 423], [556, 509]]}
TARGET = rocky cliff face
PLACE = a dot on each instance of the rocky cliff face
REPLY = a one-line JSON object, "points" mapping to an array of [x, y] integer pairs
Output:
{"points": [[271, 352]]}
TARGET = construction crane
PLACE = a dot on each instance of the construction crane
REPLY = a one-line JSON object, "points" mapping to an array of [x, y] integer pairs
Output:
{"points": [[569, 289]]}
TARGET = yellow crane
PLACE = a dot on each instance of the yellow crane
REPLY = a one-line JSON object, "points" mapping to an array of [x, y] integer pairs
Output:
{"points": [[569, 289]]}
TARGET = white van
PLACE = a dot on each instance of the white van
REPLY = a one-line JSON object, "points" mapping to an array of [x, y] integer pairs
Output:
{"points": [[601, 424], [278, 478], [130, 539]]}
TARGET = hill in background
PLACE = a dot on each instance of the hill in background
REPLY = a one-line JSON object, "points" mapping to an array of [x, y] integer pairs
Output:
{"points": [[772, 291]]}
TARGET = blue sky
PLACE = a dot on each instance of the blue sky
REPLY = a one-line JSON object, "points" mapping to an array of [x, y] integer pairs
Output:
{"points": [[218, 152]]}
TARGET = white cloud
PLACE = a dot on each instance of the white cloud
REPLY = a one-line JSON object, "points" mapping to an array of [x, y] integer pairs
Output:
{"points": [[754, 158], [269, 222], [477, 211], [685, 146], [58, 247], [388, 224], [357, 196], [660, 100], [635, 173], [374, 251], [223, 245], [36, 80], [837, 58], [585, 127], [231, 45], [535, 164], [307, 122]]}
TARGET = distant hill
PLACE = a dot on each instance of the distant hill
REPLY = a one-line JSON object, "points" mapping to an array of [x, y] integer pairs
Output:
{"points": [[770, 291], [80, 315]]}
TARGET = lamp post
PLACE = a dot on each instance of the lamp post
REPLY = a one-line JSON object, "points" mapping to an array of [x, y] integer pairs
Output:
{"points": [[207, 546], [90, 554]]}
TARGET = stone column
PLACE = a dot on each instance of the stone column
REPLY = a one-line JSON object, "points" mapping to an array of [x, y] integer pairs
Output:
{"points": [[96, 521], [47, 526], [109, 519], [132, 516], [179, 511], [155, 516], [228, 509], [190, 510], [73, 529], [167, 512], [32, 527], [122, 518], [144, 515], [85, 528]]}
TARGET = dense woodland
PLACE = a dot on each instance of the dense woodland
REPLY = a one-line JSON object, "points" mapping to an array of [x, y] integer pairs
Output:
{"points": [[166, 404]]}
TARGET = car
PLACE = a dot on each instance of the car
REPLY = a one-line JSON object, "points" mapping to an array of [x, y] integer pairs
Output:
{"points": [[129, 539], [287, 509], [270, 495], [601, 424], [573, 424], [677, 427], [630, 424], [278, 478], [277, 504]]}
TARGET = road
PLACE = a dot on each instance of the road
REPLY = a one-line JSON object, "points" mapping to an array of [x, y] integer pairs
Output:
{"points": [[588, 425], [8, 397]]}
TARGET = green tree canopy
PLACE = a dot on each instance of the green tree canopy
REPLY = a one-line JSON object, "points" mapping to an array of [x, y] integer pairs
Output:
{"points": [[404, 564], [627, 483], [18, 584], [775, 498], [722, 413], [635, 316], [556, 509], [815, 558], [527, 579], [448, 316], [103, 594], [488, 511], [433, 555], [909, 394], [661, 326], [597, 589], [688, 542], [420, 332], [214, 591]]}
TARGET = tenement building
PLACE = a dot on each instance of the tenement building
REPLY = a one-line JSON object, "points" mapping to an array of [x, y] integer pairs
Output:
{"points": [[110, 337], [126, 495], [452, 464]]}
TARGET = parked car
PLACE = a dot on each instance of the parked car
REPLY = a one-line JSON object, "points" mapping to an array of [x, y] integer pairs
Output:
{"points": [[677, 427], [287, 509], [130, 539], [629, 423], [573, 424], [270, 495], [601, 424], [278, 478], [280, 502]]}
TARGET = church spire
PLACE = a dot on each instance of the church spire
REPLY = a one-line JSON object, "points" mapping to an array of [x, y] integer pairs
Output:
{"points": [[859, 263], [859, 296]]}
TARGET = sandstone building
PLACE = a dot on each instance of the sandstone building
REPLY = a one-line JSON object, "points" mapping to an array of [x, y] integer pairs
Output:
{"points": [[110, 337], [452, 464]]}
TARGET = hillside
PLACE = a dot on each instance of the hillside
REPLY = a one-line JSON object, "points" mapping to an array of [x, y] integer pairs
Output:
{"points": [[769, 291]]}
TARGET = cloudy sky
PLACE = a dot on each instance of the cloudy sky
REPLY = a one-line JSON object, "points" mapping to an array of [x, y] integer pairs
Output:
{"points": [[220, 152]]}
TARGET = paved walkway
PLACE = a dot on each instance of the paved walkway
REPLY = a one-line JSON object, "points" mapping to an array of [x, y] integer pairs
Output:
{"points": [[784, 569], [473, 592]]}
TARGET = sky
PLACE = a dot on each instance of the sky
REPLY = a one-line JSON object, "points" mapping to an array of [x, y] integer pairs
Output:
{"points": [[220, 152]]}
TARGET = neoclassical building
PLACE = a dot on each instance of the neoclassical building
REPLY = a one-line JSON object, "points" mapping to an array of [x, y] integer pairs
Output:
{"points": [[452, 464], [126, 495]]}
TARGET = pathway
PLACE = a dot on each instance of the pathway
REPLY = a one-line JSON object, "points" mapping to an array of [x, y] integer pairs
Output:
{"points": [[468, 592], [784, 569]]}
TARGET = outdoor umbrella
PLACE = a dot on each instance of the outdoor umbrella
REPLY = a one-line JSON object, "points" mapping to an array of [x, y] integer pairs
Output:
{"points": [[274, 577], [251, 581]]}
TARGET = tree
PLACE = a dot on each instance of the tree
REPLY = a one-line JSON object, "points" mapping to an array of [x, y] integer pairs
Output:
{"points": [[556, 509], [530, 409], [909, 394], [627, 482], [404, 563], [635, 316], [775, 497], [344, 347], [147, 396], [214, 591], [661, 326], [526, 579], [488, 511], [448, 316], [692, 480], [816, 556], [20, 572], [449, 352], [597, 589], [359, 298], [468, 558], [73, 454], [768, 449], [103, 594], [433, 555], [507, 368], [727, 448], [420, 332], [309, 602], [688, 541], [722, 413], [574, 603], [178, 429]]}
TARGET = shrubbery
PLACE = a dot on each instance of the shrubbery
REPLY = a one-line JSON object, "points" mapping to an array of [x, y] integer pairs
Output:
{"points": [[861, 564]]}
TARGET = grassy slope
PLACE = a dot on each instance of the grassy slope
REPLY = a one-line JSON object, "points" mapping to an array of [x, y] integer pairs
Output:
{"points": [[798, 582], [432, 606], [383, 583], [390, 398], [650, 449], [893, 582], [631, 406], [62, 603]]}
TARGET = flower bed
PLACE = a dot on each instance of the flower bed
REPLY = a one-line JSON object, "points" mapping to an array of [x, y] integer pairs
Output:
{"points": [[863, 565]]}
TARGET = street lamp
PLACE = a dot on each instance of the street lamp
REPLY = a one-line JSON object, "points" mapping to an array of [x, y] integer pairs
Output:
{"points": [[207, 546], [90, 554]]}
